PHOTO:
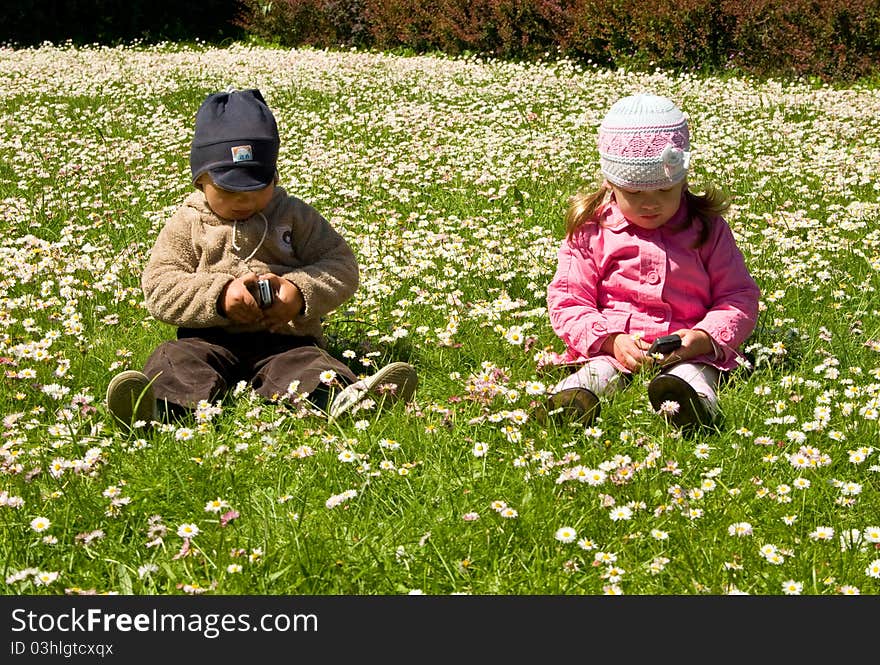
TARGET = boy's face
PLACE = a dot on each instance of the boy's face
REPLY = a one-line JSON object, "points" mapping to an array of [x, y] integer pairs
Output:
{"points": [[235, 205]]}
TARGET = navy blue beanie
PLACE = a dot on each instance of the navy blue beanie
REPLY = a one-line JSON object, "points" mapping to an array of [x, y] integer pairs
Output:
{"points": [[235, 141]]}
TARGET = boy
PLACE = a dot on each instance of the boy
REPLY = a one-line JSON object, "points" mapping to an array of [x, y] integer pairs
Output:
{"points": [[202, 276]]}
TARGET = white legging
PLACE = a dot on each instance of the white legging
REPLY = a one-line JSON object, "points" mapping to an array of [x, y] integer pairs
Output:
{"points": [[603, 378]]}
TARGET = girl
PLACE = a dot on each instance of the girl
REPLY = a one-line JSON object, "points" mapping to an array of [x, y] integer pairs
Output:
{"points": [[644, 258]]}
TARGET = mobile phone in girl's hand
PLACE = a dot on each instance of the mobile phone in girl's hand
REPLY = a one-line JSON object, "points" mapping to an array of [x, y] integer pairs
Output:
{"points": [[665, 344]]}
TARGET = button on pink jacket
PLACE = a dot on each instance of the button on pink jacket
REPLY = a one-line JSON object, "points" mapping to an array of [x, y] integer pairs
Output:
{"points": [[614, 277]]}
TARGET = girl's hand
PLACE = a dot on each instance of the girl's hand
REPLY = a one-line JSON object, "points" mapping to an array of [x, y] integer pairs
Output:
{"points": [[237, 303], [286, 304], [693, 343], [627, 350]]}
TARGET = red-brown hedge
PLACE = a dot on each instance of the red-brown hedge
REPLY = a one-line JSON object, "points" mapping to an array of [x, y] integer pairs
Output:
{"points": [[828, 39]]}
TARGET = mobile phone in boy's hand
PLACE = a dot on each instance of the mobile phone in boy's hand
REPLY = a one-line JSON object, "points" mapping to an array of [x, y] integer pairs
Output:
{"points": [[262, 293], [665, 344]]}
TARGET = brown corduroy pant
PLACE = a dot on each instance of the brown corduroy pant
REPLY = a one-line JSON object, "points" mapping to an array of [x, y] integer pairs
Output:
{"points": [[204, 364]]}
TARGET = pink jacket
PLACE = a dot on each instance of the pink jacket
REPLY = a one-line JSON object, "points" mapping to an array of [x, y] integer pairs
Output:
{"points": [[614, 277]]}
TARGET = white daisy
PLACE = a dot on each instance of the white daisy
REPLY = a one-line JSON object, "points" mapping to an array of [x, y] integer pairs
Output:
{"points": [[187, 531], [566, 534], [40, 524]]}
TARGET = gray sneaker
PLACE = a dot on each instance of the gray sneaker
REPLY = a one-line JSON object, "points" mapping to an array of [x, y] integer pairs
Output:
{"points": [[130, 398], [396, 382]]}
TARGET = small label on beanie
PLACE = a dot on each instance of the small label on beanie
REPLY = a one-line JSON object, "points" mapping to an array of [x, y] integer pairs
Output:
{"points": [[242, 153]]}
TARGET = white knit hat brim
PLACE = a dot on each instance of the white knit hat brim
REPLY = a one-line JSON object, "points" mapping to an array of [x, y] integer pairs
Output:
{"points": [[642, 173]]}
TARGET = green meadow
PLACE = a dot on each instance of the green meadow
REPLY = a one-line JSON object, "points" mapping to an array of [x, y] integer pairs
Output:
{"points": [[449, 177]]}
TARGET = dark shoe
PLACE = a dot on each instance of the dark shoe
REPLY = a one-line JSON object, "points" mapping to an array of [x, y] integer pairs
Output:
{"points": [[571, 405], [676, 399], [130, 398]]}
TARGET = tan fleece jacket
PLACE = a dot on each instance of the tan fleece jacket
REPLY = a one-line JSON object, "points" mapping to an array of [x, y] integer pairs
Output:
{"points": [[197, 253]]}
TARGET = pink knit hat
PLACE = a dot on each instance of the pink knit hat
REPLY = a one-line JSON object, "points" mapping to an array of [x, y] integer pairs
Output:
{"points": [[644, 143]]}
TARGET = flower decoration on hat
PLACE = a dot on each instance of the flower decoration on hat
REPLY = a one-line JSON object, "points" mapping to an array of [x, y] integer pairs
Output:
{"points": [[675, 161]]}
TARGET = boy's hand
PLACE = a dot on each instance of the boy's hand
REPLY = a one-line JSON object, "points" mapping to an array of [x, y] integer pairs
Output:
{"points": [[236, 301], [287, 304], [629, 351]]}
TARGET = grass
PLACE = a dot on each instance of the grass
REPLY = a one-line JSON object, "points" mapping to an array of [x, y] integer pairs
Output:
{"points": [[449, 178]]}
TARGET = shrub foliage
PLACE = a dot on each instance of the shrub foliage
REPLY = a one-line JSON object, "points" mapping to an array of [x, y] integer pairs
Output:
{"points": [[829, 39]]}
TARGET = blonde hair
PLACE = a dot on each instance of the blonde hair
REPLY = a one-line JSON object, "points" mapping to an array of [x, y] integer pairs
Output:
{"points": [[583, 208]]}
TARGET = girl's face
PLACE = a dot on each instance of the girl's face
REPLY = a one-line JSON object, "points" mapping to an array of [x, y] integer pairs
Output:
{"points": [[649, 209], [235, 205]]}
